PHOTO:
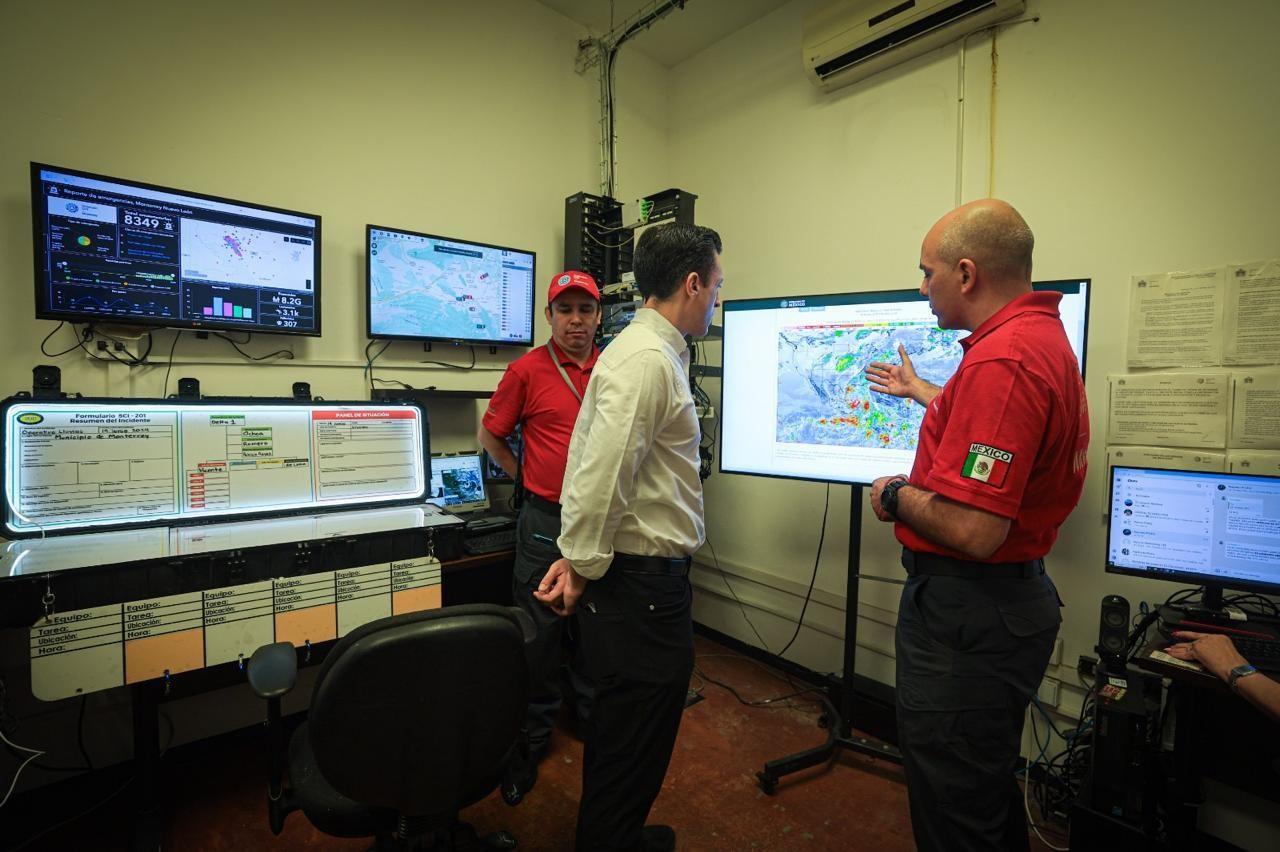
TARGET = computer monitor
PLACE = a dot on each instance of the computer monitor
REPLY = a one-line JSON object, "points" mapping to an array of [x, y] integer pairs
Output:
{"points": [[109, 250], [795, 402], [1218, 530], [457, 483], [424, 287]]}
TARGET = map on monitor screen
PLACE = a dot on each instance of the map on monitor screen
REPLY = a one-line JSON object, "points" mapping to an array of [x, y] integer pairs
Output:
{"points": [[425, 287]]}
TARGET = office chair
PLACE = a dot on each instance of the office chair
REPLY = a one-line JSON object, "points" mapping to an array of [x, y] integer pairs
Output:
{"points": [[412, 719]]}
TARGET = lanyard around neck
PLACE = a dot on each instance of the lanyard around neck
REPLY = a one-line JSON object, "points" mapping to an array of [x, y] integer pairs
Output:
{"points": [[560, 368]]}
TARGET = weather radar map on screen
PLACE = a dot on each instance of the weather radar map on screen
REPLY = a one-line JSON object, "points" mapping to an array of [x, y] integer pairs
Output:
{"points": [[796, 401], [823, 395], [430, 288]]}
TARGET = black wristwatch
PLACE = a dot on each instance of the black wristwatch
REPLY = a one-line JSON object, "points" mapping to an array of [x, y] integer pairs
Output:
{"points": [[889, 497]]}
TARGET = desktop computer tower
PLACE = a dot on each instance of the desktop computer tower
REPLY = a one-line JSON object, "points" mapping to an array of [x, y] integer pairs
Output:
{"points": [[1123, 778]]}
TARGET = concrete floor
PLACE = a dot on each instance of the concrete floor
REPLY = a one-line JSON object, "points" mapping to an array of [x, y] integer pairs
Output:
{"points": [[216, 798]]}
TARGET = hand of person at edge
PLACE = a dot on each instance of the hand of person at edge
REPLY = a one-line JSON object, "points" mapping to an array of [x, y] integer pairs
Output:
{"points": [[561, 587]]}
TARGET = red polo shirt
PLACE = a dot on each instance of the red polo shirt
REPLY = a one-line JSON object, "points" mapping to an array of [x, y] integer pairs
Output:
{"points": [[1010, 431], [532, 392]]}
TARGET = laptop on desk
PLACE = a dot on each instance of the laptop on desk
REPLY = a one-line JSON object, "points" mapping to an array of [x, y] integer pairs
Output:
{"points": [[457, 485]]}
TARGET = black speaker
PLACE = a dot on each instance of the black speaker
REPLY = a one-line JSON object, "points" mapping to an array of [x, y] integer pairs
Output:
{"points": [[188, 388], [1113, 632], [46, 382]]}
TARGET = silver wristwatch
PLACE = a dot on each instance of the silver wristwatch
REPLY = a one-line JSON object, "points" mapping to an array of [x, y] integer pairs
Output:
{"points": [[1239, 672]]}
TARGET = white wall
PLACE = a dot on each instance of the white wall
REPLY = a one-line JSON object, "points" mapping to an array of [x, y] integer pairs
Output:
{"points": [[1134, 137], [463, 119]]}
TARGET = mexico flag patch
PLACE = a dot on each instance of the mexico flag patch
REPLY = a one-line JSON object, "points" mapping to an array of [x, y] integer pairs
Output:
{"points": [[987, 464]]}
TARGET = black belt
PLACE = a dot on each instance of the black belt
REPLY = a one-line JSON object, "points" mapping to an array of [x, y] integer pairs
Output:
{"points": [[948, 566], [542, 504], [678, 566]]}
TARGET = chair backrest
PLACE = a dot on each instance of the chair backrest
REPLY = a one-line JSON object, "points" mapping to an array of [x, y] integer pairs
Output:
{"points": [[418, 712]]}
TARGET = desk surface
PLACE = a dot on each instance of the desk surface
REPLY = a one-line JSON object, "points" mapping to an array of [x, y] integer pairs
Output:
{"points": [[26, 557]]}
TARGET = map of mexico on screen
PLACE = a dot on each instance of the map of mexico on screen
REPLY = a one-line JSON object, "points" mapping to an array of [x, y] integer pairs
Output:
{"points": [[69, 466], [111, 250], [423, 287], [795, 400]]}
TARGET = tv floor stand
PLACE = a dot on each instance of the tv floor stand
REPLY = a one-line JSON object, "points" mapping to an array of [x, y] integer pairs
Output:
{"points": [[837, 721]]}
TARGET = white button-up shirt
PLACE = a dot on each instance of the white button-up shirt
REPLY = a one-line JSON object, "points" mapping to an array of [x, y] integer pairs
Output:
{"points": [[631, 484]]}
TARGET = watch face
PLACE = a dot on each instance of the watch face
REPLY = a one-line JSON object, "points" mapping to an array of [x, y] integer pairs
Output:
{"points": [[1239, 672]]}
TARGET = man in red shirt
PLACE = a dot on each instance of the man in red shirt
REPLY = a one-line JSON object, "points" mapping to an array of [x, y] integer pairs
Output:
{"points": [[542, 392], [1000, 464]]}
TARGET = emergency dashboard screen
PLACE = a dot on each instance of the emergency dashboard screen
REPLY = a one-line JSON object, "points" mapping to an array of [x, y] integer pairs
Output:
{"points": [[110, 250], [69, 466], [795, 400]]}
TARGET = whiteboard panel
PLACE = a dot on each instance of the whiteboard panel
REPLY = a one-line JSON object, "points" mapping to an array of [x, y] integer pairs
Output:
{"points": [[74, 464]]}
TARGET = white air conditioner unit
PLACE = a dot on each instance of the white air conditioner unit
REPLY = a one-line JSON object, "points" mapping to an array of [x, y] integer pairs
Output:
{"points": [[848, 40]]}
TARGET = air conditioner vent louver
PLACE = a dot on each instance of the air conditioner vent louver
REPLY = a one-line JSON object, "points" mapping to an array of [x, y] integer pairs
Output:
{"points": [[852, 39]]}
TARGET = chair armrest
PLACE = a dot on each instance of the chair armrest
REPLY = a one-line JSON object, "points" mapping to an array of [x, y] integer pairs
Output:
{"points": [[273, 670], [528, 629]]}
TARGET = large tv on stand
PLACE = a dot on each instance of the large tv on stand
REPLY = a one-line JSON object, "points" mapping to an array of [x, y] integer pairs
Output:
{"points": [[795, 402], [116, 251]]}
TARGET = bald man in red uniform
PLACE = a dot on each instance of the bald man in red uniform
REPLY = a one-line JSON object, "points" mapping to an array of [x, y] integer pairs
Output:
{"points": [[1000, 465]]}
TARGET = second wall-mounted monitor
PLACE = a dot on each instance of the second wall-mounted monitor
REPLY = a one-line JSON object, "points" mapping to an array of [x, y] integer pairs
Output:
{"points": [[110, 250], [795, 400], [424, 287]]}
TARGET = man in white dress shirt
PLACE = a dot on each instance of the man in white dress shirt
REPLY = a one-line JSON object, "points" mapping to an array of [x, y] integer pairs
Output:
{"points": [[632, 518]]}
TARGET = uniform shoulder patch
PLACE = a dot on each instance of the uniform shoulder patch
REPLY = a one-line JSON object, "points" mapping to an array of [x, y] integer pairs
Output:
{"points": [[987, 464]]}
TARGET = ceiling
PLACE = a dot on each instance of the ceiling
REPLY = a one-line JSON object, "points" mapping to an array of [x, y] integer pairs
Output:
{"points": [[680, 34]]}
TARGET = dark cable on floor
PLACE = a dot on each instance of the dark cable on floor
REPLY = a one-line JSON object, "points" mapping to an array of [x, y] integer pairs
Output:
{"points": [[759, 703]]}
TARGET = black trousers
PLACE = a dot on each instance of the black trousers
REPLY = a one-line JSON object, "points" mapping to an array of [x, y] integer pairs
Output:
{"points": [[970, 654], [637, 632], [537, 529]]}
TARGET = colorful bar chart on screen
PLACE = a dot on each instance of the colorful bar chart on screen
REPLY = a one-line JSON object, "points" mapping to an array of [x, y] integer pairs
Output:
{"points": [[223, 308]]}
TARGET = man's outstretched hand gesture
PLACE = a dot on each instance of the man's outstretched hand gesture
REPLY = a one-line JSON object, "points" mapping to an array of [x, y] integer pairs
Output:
{"points": [[900, 379]]}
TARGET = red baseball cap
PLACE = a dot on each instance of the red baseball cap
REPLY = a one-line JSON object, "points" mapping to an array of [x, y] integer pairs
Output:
{"points": [[572, 280]]}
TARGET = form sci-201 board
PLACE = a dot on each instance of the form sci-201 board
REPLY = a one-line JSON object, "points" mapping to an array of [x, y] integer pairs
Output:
{"points": [[79, 465]]}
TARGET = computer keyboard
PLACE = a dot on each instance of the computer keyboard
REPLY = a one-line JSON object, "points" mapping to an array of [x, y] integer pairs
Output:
{"points": [[1255, 641], [490, 542], [1263, 653]]}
